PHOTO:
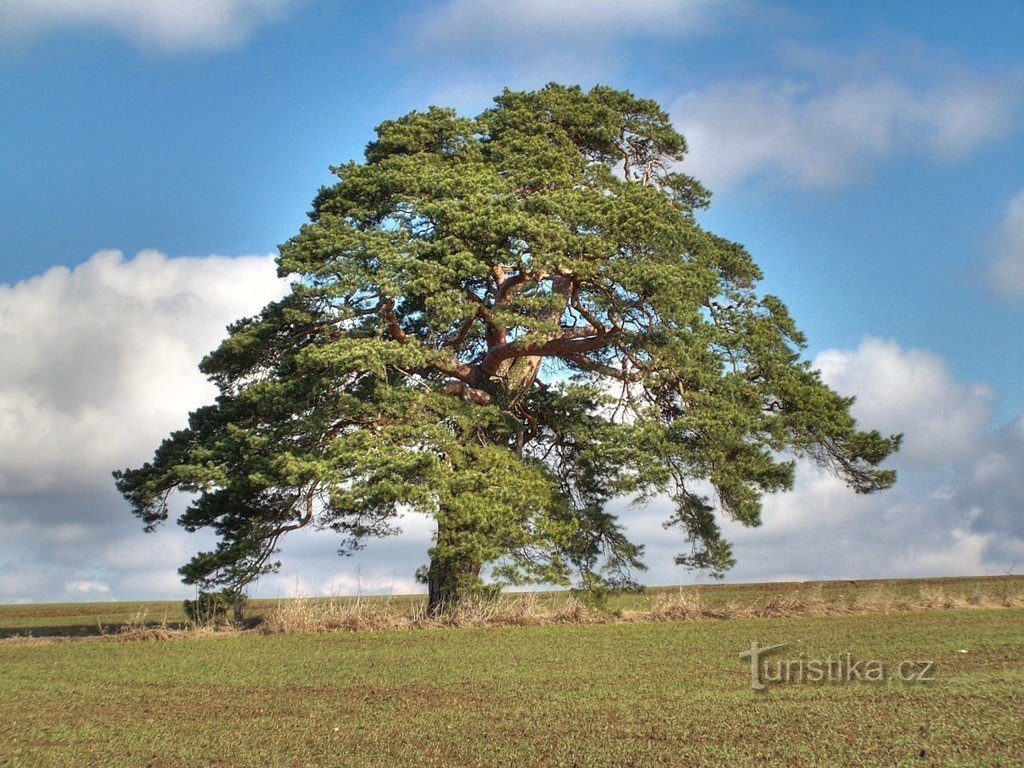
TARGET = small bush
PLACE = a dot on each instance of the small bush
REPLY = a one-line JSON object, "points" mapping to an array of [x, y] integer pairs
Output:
{"points": [[213, 608]]}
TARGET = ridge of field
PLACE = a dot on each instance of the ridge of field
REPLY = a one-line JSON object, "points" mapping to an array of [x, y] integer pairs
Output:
{"points": [[81, 619]]}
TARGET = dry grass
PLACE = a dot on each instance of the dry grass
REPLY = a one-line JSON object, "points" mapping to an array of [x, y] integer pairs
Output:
{"points": [[687, 604], [301, 615], [304, 615]]}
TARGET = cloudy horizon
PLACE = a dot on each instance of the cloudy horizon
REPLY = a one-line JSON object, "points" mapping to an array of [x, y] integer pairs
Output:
{"points": [[80, 399], [879, 186]]}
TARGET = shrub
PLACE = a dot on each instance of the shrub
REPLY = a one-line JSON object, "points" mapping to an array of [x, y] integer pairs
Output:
{"points": [[211, 608]]}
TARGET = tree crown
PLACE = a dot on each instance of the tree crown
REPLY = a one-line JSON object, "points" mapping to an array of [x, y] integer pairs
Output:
{"points": [[506, 322]]}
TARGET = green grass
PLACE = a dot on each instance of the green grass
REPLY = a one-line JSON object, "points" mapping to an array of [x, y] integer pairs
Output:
{"points": [[673, 694]]}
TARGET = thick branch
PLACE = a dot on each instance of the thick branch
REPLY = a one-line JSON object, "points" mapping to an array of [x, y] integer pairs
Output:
{"points": [[465, 392], [387, 307], [565, 345]]}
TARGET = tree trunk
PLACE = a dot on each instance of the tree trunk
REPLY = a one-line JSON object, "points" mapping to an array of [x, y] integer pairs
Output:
{"points": [[449, 583], [449, 579]]}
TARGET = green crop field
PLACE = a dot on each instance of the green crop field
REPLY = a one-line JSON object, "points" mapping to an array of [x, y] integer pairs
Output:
{"points": [[605, 694]]}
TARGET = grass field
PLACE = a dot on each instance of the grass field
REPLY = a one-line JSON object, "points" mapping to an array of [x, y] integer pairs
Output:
{"points": [[613, 694]]}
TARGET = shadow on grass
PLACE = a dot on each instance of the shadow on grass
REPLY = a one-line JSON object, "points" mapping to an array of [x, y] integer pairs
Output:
{"points": [[82, 630]]}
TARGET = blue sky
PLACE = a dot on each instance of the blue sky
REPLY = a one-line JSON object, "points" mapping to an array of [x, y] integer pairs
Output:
{"points": [[870, 155]]}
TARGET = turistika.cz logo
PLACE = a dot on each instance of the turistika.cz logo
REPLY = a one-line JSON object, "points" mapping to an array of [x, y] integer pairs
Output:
{"points": [[843, 668]]}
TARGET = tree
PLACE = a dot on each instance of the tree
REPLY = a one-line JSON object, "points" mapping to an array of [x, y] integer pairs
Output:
{"points": [[505, 322]]}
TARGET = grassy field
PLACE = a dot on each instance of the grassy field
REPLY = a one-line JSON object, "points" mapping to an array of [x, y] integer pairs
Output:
{"points": [[615, 694]]}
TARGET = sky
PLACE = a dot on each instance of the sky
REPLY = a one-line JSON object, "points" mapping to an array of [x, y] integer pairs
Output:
{"points": [[153, 154]]}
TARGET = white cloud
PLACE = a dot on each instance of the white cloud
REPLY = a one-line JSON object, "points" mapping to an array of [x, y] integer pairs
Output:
{"points": [[1007, 270], [993, 490], [912, 391], [486, 45], [100, 361], [99, 364], [954, 509], [823, 530], [310, 564], [836, 117], [515, 23], [88, 587], [167, 25]]}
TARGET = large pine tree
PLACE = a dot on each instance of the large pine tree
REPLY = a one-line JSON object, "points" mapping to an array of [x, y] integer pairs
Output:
{"points": [[505, 322]]}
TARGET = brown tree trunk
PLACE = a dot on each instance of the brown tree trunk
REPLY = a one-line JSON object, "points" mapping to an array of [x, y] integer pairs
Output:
{"points": [[448, 584], [449, 580]]}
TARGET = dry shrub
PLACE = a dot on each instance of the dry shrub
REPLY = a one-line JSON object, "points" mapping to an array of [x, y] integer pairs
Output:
{"points": [[150, 633], [877, 599], [140, 627], [136, 622], [518, 610], [303, 615], [937, 598], [685, 605], [481, 611], [575, 611], [32, 640], [798, 603], [1010, 599]]}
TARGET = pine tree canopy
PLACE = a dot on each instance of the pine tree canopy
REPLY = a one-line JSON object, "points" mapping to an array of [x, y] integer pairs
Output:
{"points": [[506, 322]]}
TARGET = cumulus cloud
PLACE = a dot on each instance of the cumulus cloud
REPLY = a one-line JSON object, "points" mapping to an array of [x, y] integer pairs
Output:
{"points": [[993, 491], [911, 391], [1007, 270], [166, 25], [87, 587], [911, 530], [955, 508], [822, 118], [822, 530], [100, 360], [835, 117], [99, 364], [311, 565]]}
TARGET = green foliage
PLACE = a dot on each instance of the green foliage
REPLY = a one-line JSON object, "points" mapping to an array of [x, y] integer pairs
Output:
{"points": [[212, 608], [506, 322]]}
